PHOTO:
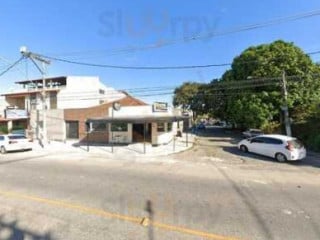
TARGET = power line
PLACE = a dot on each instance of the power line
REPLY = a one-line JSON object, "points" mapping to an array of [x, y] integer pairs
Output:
{"points": [[211, 34], [161, 67], [11, 66], [136, 67]]}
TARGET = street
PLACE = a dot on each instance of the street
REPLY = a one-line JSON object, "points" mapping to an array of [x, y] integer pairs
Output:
{"points": [[212, 191]]}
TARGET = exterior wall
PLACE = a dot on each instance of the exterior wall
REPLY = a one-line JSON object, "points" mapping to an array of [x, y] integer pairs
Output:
{"points": [[56, 129], [54, 121], [84, 92], [102, 110], [157, 138], [121, 137], [16, 102], [162, 137]]}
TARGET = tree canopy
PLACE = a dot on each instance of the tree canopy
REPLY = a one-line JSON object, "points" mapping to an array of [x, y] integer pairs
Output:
{"points": [[249, 94]]}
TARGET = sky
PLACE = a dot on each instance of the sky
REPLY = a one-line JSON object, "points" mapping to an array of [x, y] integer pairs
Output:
{"points": [[101, 32]]}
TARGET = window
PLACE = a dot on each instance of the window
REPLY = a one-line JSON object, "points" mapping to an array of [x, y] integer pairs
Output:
{"points": [[272, 141], [169, 127], [33, 101], [53, 100], [99, 126], [257, 140], [101, 91], [119, 127], [160, 127], [1, 138]]}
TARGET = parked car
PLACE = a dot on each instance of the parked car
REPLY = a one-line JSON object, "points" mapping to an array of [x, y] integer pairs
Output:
{"points": [[280, 147], [201, 126], [252, 133], [14, 142]]}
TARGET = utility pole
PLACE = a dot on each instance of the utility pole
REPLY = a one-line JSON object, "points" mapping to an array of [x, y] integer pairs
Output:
{"points": [[285, 107], [34, 57]]}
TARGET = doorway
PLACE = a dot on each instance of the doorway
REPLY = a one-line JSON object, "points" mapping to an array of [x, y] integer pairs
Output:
{"points": [[138, 131], [72, 129]]}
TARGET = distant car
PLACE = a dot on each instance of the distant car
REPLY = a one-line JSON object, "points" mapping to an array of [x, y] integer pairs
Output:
{"points": [[252, 133], [201, 126], [14, 142], [280, 147]]}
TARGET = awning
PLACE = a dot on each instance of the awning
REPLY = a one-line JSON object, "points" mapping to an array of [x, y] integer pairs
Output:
{"points": [[138, 119]]}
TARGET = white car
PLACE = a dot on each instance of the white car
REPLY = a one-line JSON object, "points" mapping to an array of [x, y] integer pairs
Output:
{"points": [[280, 147], [252, 133], [14, 142]]}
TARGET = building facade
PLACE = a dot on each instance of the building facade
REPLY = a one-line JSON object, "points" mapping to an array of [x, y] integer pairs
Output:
{"points": [[66, 106], [24, 107], [130, 124]]}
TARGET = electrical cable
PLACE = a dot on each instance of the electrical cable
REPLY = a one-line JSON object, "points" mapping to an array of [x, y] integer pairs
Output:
{"points": [[11, 66], [211, 34]]}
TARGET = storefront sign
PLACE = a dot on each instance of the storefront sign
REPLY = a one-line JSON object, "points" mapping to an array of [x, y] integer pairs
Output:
{"points": [[16, 113], [160, 107]]}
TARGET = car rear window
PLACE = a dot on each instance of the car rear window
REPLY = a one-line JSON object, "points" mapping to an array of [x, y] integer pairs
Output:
{"points": [[296, 143], [16, 137]]}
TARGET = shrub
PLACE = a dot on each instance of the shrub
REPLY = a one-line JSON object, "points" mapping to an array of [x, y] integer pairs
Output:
{"points": [[316, 143], [3, 129]]}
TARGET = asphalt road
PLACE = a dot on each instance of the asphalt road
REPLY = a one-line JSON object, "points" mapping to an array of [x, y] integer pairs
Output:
{"points": [[209, 192]]}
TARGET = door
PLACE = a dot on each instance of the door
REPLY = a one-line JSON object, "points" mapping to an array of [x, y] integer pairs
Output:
{"points": [[72, 129], [273, 146], [138, 132], [257, 145]]}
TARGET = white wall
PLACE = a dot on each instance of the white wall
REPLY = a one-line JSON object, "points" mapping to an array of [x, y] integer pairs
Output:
{"points": [[3, 105], [83, 92], [136, 111], [56, 129]]}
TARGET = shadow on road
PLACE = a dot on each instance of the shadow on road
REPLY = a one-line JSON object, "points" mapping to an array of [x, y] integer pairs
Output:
{"points": [[309, 161], [22, 159], [10, 231]]}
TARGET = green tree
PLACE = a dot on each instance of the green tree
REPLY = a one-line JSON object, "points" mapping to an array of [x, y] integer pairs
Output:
{"points": [[188, 96], [258, 105]]}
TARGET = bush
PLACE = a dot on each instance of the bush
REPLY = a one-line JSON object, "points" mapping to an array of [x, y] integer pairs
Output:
{"points": [[315, 142], [3, 129], [271, 127]]}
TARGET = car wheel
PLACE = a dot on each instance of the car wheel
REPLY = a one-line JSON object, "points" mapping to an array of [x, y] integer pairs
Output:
{"points": [[281, 157], [243, 148], [3, 150]]}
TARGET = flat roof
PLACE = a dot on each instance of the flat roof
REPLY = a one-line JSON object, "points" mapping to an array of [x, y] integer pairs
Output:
{"points": [[61, 78], [138, 119], [23, 92]]}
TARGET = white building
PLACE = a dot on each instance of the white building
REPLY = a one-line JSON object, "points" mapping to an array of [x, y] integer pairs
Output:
{"points": [[23, 106], [61, 93]]}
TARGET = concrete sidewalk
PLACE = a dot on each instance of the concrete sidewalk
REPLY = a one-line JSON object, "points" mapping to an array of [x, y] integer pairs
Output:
{"points": [[134, 150]]}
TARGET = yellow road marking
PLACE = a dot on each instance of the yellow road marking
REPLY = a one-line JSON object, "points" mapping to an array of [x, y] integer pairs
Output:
{"points": [[103, 213]]}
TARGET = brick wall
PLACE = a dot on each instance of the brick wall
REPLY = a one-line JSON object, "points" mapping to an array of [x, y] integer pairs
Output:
{"points": [[81, 115]]}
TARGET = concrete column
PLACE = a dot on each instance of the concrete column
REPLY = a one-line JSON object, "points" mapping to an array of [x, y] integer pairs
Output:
{"points": [[154, 134], [9, 126]]}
